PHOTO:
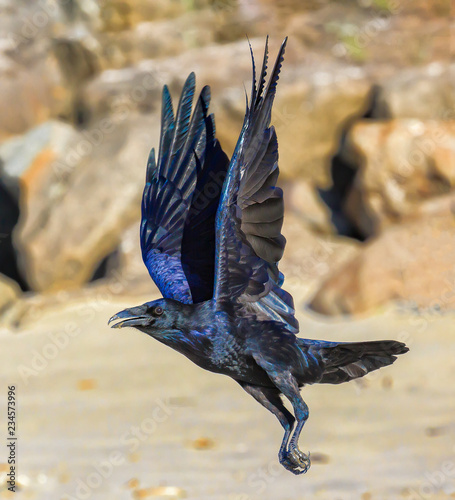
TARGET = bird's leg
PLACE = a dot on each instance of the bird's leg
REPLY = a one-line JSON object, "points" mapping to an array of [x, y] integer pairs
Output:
{"points": [[288, 386], [270, 398]]}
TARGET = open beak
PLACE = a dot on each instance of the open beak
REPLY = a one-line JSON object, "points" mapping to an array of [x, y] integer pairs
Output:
{"points": [[130, 317]]}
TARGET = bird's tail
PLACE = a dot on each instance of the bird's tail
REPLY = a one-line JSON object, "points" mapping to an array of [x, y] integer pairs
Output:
{"points": [[349, 360]]}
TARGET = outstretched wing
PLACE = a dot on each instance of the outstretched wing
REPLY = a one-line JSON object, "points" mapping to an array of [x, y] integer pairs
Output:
{"points": [[180, 199], [250, 214]]}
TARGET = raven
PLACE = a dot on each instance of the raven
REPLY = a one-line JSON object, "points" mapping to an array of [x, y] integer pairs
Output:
{"points": [[211, 240]]}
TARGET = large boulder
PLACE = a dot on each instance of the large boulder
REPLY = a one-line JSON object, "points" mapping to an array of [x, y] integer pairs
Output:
{"points": [[311, 114], [309, 257], [426, 93], [403, 165], [35, 182], [33, 187], [303, 200], [45, 55], [81, 190], [31, 95], [312, 108], [26, 157], [412, 263]]}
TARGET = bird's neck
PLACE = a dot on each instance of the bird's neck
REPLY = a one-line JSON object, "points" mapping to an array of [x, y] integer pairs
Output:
{"points": [[191, 334], [190, 343]]}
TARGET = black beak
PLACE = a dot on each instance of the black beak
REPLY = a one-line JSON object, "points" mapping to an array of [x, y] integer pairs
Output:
{"points": [[130, 317]]}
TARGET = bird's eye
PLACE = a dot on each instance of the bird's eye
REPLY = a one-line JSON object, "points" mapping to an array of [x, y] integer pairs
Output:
{"points": [[158, 311]]}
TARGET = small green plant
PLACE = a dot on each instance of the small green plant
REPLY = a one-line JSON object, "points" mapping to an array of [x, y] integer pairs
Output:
{"points": [[349, 35], [354, 49], [383, 5]]}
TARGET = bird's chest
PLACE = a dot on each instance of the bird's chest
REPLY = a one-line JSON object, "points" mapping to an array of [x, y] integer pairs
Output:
{"points": [[223, 350], [212, 348], [226, 353]]}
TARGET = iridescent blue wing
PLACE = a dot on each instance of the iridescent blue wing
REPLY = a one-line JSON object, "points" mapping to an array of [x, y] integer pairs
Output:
{"points": [[250, 214], [178, 216]]}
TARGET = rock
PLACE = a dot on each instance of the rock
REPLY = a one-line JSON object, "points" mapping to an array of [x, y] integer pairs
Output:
{"points": [[9, 293], [424, 93], [402, 164], [45, 55], [78, 60], [366, 32], [31, 95], [24, 23], [119, 15], [119, 91], [412, 262], [312, 107], [302, 199], [78, 200], [128, 32], [311, 135], [310, 257], [130, 269], [30, 163], [9, 216], [158, 39], [25, 157]]}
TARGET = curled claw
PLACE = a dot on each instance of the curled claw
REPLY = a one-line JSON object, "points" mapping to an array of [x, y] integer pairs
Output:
{"points": [[296, 461], [288, 464], [300, 461]]}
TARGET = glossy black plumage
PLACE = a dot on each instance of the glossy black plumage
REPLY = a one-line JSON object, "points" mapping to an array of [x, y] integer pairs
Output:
{"points": [[211, 240]]}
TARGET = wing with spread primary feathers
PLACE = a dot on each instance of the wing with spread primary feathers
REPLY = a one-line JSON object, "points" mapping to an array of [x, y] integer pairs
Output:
{"points": [[250, 213], [181, 198]]}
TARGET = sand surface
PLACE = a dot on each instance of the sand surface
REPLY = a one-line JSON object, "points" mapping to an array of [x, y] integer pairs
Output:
{"points": [[114, 415]]}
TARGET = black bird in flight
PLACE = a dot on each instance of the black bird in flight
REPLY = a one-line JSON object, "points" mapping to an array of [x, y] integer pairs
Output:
{"points": [[211, 240]]}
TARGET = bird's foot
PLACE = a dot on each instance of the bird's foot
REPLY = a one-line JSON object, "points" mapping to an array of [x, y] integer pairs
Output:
{"points": [[296, 461]]}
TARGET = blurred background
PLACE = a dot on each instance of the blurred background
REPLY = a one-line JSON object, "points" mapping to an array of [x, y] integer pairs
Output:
{"points": [[365, 117]]}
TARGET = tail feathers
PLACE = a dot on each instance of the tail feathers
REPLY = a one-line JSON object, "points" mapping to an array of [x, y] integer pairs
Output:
{"points": [[347, 361]]}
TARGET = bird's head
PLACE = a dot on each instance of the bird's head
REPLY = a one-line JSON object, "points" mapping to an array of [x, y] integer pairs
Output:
{"points": [[154, 318]]}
